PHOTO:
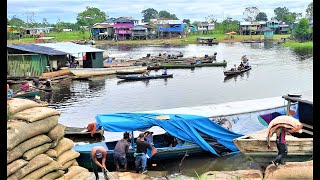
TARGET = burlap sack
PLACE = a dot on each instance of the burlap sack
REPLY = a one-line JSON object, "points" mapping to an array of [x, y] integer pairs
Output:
{"points": [[68, 156], [18, 151], [12, 177], [82, 176], [17, 104], [35, 114], [57, 132], [34, 164], [17, 135], [53, 175], [36, 151], [37, 174], [75, 163], [64, 145], [14, 124], [68, 164], [15, 166], [55, 143], [52, 153], [73, 171]]}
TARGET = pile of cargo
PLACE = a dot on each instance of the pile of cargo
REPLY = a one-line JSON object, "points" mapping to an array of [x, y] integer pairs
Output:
{"points": [[36, 147]]}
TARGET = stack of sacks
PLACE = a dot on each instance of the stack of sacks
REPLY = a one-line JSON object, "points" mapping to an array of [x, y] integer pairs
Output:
{"points": [[36, 147]]}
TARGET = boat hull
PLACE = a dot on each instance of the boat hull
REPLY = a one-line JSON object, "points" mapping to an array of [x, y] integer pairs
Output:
{"points": [[80, 72], [27, 94], [141, 77], [233, 73]]}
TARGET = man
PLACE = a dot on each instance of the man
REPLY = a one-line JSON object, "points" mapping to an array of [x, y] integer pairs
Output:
{"points": [[98, 160], [246, 64], [214, 58], [120, 152], [281, 146], [140, 155], [36, 82], [165, 72], [148, 137]]}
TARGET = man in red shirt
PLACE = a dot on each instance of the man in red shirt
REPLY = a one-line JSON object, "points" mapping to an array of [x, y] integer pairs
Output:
{"points": [[281, 146]]}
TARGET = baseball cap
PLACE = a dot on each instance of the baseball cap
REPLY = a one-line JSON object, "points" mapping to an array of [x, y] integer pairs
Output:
{"points": [[98, 153]]}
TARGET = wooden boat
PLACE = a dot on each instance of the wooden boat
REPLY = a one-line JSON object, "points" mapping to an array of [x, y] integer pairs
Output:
{"points": [[82, 134], [186, 65], [126, 72], [205, 143], [237, 72], [85, 72], [26, 94], [142, 77], [300, 146]]}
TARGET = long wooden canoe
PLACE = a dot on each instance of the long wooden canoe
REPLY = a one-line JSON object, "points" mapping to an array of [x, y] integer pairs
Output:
{"points": [[142, 77], [31, 94], [232, 73], [186, 65]]}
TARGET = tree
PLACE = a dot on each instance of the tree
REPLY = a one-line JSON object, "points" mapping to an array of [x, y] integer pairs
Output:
{"points": [[195, 23], [148, 14], [250, 13], [186, 21], [309, 10], [91, 16], [14, 21], [283, 14], [301, 30], [211, 19], [262, 17], [227, 25], [44, 22], [166, 14]]}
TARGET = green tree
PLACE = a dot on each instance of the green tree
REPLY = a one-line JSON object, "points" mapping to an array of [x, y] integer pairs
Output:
{"points": [[91, 16], [211, 19], [59, 26], [186, 21], [196, 23], [166, 14], [251, 13], [301, 31], [262, 17], [148, 14], [227, 25], [309, 10], [283, 14], [16, 22]]}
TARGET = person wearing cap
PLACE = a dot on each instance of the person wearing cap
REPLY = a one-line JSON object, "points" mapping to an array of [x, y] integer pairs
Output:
{"points": [[140, 155], [48, 84], [120, 151], [98, 159]]}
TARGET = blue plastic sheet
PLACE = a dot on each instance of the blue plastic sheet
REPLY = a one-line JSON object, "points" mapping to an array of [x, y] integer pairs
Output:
{"points": [[182, 126]]}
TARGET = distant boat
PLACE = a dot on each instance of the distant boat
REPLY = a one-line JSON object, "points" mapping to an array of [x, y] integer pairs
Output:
{"points": [[126, 72], [236, 72], [186, 65], [142, 77]]}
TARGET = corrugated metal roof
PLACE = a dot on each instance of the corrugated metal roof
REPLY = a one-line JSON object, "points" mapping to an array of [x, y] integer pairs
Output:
{"points": [[70, 48], [36, 49]]}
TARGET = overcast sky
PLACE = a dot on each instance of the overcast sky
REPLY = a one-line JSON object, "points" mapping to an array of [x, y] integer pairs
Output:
{"points": [[195, 10]]}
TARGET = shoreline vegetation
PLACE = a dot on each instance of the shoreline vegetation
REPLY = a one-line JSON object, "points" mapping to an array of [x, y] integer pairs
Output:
{"points": [[191, 39]]}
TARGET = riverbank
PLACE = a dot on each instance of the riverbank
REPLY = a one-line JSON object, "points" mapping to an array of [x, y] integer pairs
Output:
{"points": [[191, 39], [292, 44]]}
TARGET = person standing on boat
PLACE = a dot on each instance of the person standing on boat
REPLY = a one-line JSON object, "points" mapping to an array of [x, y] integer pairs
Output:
{"points": [[140, 154], [120, 151], [98, 160], [214, 57], [281, 146]]}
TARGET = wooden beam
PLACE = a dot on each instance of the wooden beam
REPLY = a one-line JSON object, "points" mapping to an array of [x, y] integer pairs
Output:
{"points": [[308, 126]]}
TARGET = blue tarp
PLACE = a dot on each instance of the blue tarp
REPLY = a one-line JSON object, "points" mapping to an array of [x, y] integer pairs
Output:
{"points": [[182, 126]]}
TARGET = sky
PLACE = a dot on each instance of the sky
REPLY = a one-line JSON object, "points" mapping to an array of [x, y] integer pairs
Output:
{"points": [[195, 10]]}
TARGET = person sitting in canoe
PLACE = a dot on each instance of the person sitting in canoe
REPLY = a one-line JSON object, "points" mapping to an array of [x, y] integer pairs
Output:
{"points": [[24, 86], [246, 64], [241, 66], [244, 58], [235, 68], [48, 84], [164, 72], [147, 73]]}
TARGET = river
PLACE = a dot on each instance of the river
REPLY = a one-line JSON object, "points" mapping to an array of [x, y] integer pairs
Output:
{"points": [[275, 71]]}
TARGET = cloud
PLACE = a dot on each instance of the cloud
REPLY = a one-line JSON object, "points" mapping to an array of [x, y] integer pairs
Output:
{"points": [[67, 10]]}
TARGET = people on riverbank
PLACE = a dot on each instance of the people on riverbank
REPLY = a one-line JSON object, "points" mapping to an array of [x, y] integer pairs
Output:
{"points": [[98, 160], [141, 153], [281, 146], [120, 151]]}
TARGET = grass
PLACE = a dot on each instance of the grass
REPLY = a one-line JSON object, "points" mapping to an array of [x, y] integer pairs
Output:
{"points": [[308, 44], [191, 39]]}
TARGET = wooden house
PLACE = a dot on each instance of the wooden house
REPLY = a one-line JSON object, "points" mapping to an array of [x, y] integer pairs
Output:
{"points": [[102, 31], [31, 60], [170, 28], [87, 56], [283, 28], [274, 25], [205, 27], [122, 26], [141, 32], [37, 31], [251, 27]]}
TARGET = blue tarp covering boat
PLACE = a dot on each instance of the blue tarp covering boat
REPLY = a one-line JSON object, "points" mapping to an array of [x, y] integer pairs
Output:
{"points": [[185, 127]]}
